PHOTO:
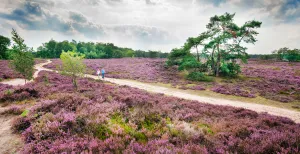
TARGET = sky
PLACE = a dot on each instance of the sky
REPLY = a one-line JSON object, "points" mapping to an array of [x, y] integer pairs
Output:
{"points": [[147, 24]]}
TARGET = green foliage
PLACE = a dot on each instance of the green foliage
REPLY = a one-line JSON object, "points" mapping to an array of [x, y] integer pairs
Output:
{"points": [[101, 131], [206, 129], [4, 43], [198, 76], [72, 65], [25, 113], [189, 62], [53, 49], [221, 47], [139, 136], [230, 69], [287, 54], [151, 121], [176, 56], [23, 61]]}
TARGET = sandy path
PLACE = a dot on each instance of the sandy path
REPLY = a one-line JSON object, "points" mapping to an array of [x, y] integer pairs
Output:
{"points": [[9, 142], [18, 81]]}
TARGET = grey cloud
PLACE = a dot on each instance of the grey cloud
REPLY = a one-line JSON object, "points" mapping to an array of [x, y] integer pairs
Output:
{"points": [[30, 16], [89, 30], [33, 8], [285, 11], [77, 17]]}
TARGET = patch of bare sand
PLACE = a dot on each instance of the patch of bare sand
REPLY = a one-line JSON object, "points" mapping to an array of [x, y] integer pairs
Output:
{"points": [[9, 142]]}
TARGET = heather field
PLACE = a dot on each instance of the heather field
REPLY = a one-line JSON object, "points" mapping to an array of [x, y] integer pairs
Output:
{"points": [[106, 118], [7, 73], [279, 81]]}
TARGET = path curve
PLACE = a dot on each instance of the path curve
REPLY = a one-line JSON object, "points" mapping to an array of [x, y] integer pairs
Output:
{"points": [[294, 115], [18, 81]]}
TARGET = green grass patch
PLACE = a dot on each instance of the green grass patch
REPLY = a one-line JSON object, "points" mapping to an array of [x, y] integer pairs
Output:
{"points": [[101, 131], [25, 113], [119, 120], [206, 129]]}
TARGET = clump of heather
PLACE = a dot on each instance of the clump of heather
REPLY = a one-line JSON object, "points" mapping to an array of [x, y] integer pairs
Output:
{"points": [[14, 110], [105, 118], [4, 87], [233, 90], [6, 72]]}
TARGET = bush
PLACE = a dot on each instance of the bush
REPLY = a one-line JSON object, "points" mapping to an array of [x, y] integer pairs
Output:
{"points": [[20, 124], [198, 76], [230, 69]]}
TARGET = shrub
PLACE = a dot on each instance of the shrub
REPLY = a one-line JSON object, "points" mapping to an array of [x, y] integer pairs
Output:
{"points": [[20, 124], [198, 76]]}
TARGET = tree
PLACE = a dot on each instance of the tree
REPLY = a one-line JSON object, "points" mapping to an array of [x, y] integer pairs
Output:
{"points": [[23, 61], [72, 65], [288, 54], [226, 39], [4, 43], [221, 45]]}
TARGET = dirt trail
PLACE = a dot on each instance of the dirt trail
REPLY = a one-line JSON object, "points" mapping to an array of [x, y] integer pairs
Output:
{"points": [[9, 142], [18, 81]]}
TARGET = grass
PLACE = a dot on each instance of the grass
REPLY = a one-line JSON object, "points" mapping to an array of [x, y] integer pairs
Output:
{"points": [[25, 113]]}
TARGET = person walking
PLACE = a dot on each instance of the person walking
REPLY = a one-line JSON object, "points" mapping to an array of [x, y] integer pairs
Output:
{"points": [[98, 72], [103, 73]]}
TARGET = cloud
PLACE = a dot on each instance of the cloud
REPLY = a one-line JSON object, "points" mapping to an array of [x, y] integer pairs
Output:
{"points": [[30, 16], [147, 24], [77, 17]]}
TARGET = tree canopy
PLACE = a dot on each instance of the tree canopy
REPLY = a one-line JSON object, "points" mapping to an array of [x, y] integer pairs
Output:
{"points": [[221, 46], [72, 65], [4, 43], [286, 54], [91, 50]]}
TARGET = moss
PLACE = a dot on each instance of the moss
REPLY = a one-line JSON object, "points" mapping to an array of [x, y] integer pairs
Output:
{"points": [[101, 131], [109, 98], [140, 137], [151, 121], [117, 119], [168, 121], [206, 129]]}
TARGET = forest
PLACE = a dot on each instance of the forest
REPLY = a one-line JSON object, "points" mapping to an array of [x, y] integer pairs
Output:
{"points": [[91, 50]]}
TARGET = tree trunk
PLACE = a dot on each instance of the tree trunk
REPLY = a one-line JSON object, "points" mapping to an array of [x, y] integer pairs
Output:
{"points": [[213, 61], [218, 62], [74, 82], [198, 57]]}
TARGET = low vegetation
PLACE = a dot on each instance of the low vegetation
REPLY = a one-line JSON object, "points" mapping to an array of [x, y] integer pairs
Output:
{"points": [[102, 117]]}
